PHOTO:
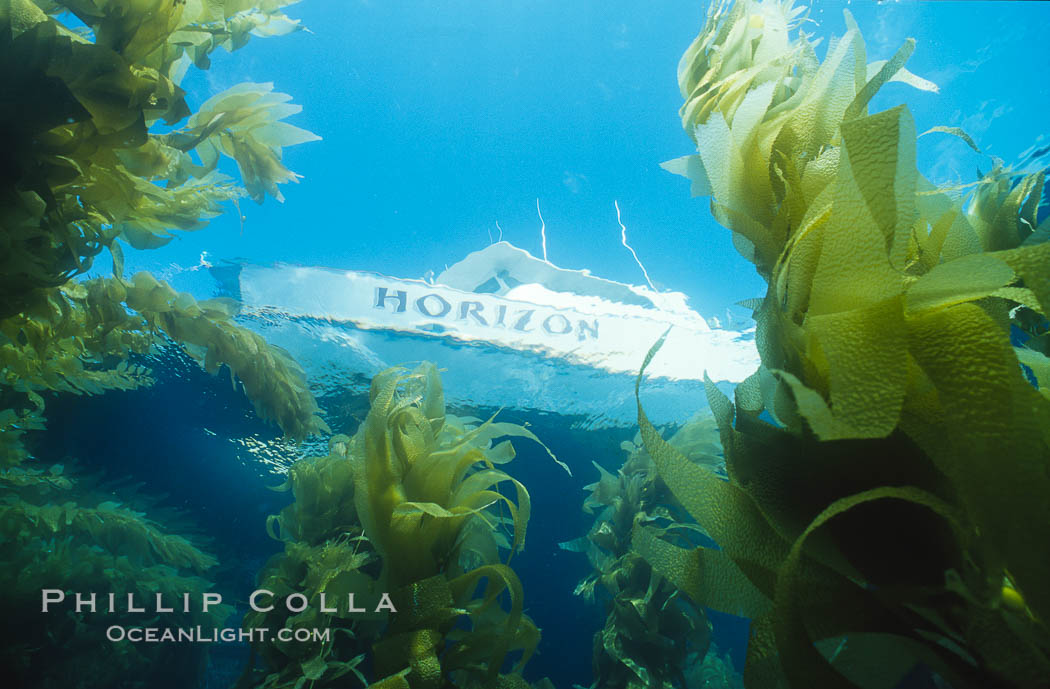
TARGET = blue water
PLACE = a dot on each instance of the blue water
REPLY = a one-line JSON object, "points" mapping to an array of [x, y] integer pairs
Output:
{"points": [[192, 456], [440, 120]]}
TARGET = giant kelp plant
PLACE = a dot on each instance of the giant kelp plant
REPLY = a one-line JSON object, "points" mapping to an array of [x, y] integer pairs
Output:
{"points": [[889, 463], [653, 636], [57, 533], [325, 552], [91, 157], [411, 505], [98, 150]]}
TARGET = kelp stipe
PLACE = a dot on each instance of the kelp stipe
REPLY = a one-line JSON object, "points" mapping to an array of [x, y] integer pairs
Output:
{"points": [[864, 527]]}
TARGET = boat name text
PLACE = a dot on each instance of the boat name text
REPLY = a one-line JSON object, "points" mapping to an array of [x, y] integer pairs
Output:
{"points": [[525, 320]]}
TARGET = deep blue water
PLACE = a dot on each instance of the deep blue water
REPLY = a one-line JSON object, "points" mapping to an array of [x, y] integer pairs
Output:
{"points": [[189, 453]]}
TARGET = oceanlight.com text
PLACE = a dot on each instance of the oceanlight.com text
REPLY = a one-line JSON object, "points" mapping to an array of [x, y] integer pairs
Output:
{"points": [[151, 635]]}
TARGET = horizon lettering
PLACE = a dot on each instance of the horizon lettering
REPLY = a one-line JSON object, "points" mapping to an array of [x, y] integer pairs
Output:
{"points": [[473, 312]]}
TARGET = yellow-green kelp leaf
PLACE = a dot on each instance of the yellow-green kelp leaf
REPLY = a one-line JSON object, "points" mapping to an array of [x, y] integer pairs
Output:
{"points": [[429, 499], [134, 28], [955, 282], [80, 143], [243, 123], [799, 657], [422, 476], [993, 412], [272, 380], [652, 633], [1039, 365], [954, 131], [707, 575], [725, 512], [498, 578], [895, 394]]}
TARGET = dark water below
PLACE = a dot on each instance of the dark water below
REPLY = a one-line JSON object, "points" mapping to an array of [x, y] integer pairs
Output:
{"points": [[194, 452]]}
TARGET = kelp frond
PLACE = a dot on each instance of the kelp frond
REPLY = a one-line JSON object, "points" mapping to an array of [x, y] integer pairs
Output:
{"points": [[57, 532], [862, 497], [413, 505], [653, 636], [83, 168], [428, 494]]}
